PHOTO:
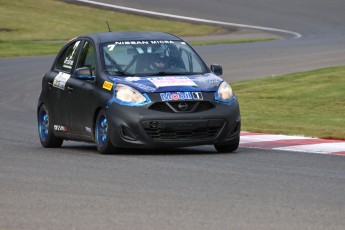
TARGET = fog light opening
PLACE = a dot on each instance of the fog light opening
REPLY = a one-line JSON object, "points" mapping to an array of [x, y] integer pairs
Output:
{"points": [[235, 129], [127, 134]]}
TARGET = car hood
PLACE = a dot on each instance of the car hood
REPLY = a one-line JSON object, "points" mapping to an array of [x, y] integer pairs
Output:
{"points": [[155, 84]]}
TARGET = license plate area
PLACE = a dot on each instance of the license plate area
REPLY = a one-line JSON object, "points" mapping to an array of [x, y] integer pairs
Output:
{"points": [[183, 124], [182, 130]]}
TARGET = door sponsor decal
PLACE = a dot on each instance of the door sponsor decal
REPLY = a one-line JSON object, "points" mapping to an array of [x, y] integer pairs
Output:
{"points": [[60, 128], [60, 80], [107, 85], [88, 129], [175, 96]]}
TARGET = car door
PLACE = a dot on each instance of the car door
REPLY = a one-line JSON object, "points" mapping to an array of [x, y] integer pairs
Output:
{"points": [[56, 80], [79, 102]]}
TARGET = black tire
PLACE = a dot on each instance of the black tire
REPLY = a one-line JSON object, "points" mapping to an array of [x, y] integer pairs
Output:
{"points": [[102, 131], [228, 148], [45, 129]]}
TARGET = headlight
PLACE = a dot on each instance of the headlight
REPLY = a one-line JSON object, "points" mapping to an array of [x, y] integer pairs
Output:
{"points": [[224, 92], [128, 94]]}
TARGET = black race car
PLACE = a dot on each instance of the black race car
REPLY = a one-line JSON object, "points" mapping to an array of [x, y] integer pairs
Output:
{"points": [[136, 90]]}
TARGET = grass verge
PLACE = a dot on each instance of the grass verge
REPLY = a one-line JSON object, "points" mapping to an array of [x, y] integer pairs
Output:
{"points": [[308, 103], [24, 21], [28, 48]]}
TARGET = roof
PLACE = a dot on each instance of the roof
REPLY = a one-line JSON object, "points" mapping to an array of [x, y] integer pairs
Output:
{"points": [[130, 36]]}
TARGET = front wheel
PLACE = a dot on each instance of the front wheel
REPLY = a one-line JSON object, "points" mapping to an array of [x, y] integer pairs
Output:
{"points": [[45, 129], [228, 148], [102, 129]]}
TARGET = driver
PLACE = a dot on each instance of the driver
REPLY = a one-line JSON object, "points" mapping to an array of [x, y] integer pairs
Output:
{"points": [[159, 61]]}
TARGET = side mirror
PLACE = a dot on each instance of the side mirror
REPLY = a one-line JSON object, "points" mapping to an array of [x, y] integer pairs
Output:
{"points": [[216, 69], [84, 73]]}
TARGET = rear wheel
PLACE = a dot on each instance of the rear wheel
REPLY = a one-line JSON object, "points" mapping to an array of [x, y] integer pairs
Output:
{"points": [[102, 129], [45, 129], [228, 148]]}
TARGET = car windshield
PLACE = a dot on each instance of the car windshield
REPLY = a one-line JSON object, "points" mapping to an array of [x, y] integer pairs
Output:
{"points": [[129, 58]]}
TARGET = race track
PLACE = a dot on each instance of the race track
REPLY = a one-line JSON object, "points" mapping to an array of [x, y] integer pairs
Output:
{"points": [[321, 24], [190, 188]]}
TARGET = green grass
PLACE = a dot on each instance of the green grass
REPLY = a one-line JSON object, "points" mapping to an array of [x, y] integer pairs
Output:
{"points": [[308, 103], [27, 48], [27, 26], [24, 21]]}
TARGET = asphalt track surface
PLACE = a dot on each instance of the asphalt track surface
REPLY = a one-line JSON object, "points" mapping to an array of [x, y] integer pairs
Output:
{"points": [[321, 24], [191, 188]]}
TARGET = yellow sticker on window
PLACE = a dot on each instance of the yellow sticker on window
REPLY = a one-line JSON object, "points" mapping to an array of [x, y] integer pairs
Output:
{"points": [[107, 85]]}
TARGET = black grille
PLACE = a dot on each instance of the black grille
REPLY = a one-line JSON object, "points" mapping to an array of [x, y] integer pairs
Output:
{"points": [[182, 106], [161, 106], [166, 135], [183, 130]]}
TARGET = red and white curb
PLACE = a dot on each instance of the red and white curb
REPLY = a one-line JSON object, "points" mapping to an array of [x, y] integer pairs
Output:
{"points": [[292, 143]]}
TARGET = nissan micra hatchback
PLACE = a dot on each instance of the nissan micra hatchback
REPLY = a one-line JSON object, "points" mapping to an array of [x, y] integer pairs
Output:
{"points": [[136, 90]]}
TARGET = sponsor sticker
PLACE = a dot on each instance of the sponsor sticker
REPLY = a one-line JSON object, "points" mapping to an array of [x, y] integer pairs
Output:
{"points": [[60, 128], [133, 78], [171, 81], [144, 87], [112, 46], [60, 80], [208, 78], [107, 85], [176, 96], [88, 129]]}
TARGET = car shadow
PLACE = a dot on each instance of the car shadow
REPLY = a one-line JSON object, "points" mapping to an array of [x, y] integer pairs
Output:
{"points": [[195, 150]]}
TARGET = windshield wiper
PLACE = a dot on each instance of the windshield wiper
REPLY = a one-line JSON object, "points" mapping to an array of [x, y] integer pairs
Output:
{"points": [[169, 73], [122, 73]]}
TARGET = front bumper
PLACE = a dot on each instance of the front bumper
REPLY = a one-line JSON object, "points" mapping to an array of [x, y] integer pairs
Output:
{"points": [[142, 127]]}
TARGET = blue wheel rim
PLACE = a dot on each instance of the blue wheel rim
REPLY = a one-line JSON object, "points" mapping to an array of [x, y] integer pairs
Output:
{"points": [[43, 124], [101, 131]]}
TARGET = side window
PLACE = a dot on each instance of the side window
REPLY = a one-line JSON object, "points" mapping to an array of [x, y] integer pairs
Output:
{"points": [[87, 57], [68, 57]]}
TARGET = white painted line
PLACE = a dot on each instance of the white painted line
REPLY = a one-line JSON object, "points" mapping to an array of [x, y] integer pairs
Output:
{"points": [[295, 34], [268, 137], [323, 148], [292, 143]]}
